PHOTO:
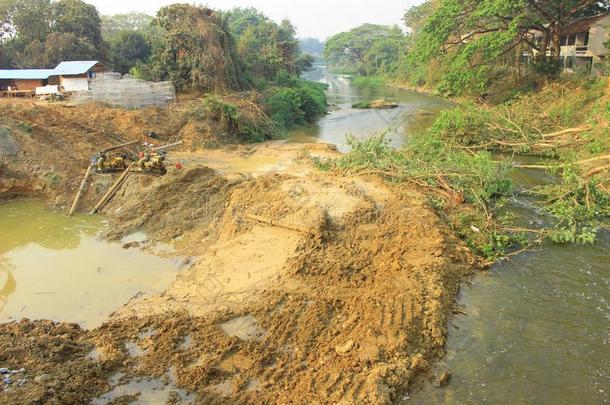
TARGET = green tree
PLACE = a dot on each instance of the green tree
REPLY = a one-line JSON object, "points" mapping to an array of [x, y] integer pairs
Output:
{"points": [[26, 20], [80, 19], [134, 21], [197, 51], [369, 49], [269, 50], [37, 33], [127, 49], [67, 46], [465, 45]]}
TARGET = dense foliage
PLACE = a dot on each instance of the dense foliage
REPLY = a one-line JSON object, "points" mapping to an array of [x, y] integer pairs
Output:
{"points": [[465, 46], [302, 103], [368, 50], [198, 52], [268, 49], [39, 33]]}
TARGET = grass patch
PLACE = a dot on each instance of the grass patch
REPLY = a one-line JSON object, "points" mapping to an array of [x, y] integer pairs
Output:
{"points": [[368, 81]]}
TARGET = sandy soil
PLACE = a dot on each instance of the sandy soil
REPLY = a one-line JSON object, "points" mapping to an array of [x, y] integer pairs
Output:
{"points": [[300, 286]]}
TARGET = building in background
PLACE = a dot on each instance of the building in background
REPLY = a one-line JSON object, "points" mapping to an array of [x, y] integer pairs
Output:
{"points": [[583, 43], [77, 75], [71, 77]]}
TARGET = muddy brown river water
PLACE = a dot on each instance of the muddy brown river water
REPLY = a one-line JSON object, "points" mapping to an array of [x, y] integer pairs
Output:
{"points": [[54, 267]]}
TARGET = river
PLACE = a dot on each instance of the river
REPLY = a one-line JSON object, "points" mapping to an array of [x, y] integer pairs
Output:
{"points": [[537, 327], [416, 112]]}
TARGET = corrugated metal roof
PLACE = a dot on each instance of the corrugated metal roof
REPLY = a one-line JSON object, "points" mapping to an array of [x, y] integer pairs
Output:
{"points": [[26, 74], [63, 69], [75, 67]]}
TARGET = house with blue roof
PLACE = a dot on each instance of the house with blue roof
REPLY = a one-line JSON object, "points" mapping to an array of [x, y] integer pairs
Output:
{"points": [[73, 76]]}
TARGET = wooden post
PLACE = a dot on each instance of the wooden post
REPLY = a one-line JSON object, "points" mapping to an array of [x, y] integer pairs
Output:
{"points": [[112, 190], [171, 145], [81, 190], [123, 145]]}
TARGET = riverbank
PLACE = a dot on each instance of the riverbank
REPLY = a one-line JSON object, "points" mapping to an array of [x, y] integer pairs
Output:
{"points": [[298, 283]]}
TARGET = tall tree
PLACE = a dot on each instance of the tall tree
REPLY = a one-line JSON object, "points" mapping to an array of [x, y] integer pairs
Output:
{"points": [[198, 52], [472, 42], [127, 49], [369, 48], [80, 19], [37, 33], [26, 20], [268, 49]]}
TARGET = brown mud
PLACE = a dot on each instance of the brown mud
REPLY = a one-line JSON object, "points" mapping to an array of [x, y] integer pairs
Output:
{"points": [[298, 286]]}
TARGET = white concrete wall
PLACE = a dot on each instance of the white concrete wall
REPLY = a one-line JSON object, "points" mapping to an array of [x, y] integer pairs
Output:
{"points": [[598, 35], [75, 84]]}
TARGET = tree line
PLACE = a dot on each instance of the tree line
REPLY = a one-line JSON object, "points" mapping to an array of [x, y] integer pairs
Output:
{"points": [[464, 46], [195, 47]]}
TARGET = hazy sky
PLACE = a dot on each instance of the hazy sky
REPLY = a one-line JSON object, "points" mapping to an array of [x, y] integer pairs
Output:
{"points": [[315, 18]]}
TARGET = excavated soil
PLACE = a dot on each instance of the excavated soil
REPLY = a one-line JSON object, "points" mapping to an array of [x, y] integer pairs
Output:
{"points": [[299, 286]]}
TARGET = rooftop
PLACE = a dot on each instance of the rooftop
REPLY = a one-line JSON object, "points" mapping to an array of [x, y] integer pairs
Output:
{"points": [[583, 24], [74, 67], [63, 69], [26, 74]]}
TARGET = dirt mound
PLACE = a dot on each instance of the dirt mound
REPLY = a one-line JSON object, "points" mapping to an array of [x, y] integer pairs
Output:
{"points": [[170, 206], [52, 364], [350, 314]]}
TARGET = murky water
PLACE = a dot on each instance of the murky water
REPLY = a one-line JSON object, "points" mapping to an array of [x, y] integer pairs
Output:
{"points": [[416, 112], [54, 267], [538, 326]]}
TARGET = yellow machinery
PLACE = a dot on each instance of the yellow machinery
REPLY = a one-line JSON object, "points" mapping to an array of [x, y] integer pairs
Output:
{"points": [[105, 163], [151, 162]]}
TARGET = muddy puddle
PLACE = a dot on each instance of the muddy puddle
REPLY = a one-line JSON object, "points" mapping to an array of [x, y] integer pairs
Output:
{"points": [[144, 391], [54, 267]]}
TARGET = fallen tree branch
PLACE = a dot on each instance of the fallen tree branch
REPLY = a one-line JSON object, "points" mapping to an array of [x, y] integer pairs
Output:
{"points": [[568, 131], [595, 159], [541, 167], [597, 170]]}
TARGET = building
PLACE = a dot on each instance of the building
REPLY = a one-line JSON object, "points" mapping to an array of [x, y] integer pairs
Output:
{"points": [[583, 42], [77, 75], [71, 76], [25, 79]]}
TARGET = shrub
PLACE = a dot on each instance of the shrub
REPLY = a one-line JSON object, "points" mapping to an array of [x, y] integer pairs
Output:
{"points": [[290, 106], [244, 122]]}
